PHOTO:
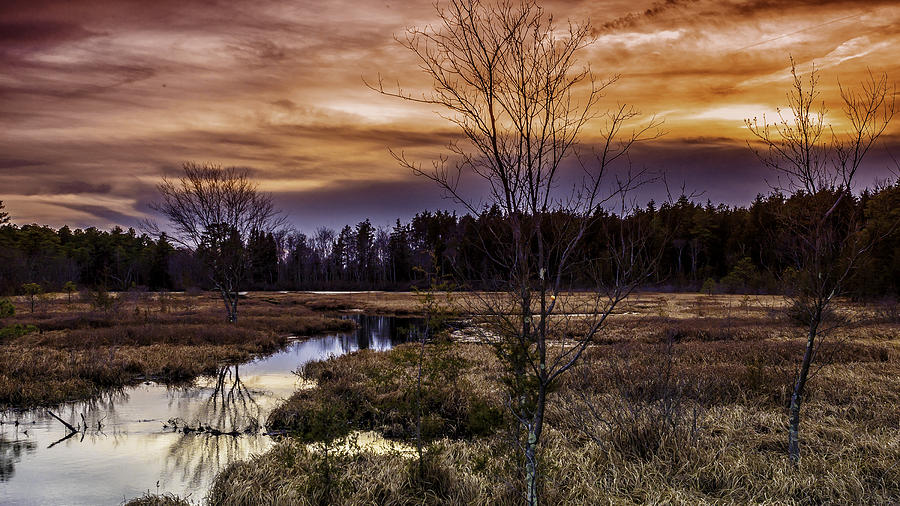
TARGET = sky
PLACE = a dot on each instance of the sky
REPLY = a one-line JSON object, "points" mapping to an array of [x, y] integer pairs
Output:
{"points": [[101, 98]]}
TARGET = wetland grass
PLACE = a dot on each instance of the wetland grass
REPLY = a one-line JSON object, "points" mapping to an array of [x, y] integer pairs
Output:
{"points": [[730, 368], [74, 352]]}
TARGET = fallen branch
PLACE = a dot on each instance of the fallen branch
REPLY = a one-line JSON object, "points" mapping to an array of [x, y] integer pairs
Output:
{"points": [[68, 426]]}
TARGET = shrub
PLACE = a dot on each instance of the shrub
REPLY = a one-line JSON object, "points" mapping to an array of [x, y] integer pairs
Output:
{"points": [[32, 290], [7, 308], [16, 330], [742, 277], [70, 287], [375, 391], [646, 412], [100, 299]]}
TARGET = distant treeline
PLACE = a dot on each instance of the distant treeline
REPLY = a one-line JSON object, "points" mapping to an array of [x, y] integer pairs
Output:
{"points": [[705, 247]]}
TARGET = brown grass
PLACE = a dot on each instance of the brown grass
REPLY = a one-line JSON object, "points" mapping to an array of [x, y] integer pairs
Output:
{"points": [[376, 391], [78, 353], [732, 362], [741, 463]]}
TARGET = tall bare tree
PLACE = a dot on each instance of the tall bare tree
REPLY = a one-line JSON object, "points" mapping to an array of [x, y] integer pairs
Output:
{"points": [[817, 166], [509, 78], [4, 216], [213, 210]]}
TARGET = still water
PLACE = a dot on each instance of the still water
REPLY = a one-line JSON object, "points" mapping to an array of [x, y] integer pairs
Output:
{"points": [[131, 446]]}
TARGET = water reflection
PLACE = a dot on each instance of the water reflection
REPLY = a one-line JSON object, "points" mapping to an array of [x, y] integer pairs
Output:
{"points": [[11, 450], [130, 439], [210, 434], [231, 406]]}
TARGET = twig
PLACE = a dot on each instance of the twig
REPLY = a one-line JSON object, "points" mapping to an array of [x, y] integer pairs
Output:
{"points": [[68, 426]]}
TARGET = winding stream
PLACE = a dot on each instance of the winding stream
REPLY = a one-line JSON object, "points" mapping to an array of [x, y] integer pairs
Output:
{"points": [[135, 447]]}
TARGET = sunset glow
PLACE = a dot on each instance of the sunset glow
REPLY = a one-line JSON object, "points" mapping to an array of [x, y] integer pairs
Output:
{"points": [[101, 98]]}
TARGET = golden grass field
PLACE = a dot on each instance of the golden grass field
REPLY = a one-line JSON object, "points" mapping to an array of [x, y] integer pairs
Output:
{"points": [[681, 400]]}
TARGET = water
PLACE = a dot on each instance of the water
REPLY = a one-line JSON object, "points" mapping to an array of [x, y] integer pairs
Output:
{"points": [[135, 448]]}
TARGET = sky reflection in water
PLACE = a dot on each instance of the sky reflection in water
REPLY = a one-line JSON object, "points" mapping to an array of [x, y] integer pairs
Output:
{"points": [[133, 448]]}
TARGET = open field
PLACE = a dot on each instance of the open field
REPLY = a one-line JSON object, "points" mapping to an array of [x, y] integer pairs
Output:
{"points": [[675, 305], [74, 350], [683, 402], [682, 399]]}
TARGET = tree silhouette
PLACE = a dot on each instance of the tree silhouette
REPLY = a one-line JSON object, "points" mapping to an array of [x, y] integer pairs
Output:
{"points": [[213, 210], [507, 77], [820, 228]]}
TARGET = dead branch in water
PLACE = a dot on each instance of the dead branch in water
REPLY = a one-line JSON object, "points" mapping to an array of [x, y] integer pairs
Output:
{"points": [[67, 424]]}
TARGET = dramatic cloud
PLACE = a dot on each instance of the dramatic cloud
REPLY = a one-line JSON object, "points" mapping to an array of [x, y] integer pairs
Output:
{"points": [[100, 98]]}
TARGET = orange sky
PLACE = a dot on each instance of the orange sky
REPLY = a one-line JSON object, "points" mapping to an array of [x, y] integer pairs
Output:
{"points": [[99, 98]]}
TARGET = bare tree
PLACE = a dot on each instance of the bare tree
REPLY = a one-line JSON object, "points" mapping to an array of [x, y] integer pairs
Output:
{"points": [[213, 211], [508, 77], [4, 216], [822, 240]]}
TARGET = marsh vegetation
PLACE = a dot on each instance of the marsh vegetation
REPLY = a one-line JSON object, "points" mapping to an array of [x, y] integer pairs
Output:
{"points": [[73, 351], [684, 400], [557, 375], [170, 437]]}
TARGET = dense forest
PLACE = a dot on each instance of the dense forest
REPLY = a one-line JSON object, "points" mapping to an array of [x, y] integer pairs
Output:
{"points": [[705, 247]]}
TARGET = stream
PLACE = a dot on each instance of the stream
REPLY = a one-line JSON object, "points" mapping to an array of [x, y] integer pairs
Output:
{"points": [[131, 445]]}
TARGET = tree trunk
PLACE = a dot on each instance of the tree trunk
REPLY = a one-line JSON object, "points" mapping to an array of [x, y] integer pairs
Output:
{"points": [[231, 303], [797, 398], [531, 476]]}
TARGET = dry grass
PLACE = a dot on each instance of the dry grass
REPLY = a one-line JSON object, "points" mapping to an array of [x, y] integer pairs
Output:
{"points": [[732, 361], [376, 391], [647, 303], [78, 353], [725, 467], [149, 499]]}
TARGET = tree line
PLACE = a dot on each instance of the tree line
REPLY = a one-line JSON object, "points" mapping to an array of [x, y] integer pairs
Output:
{"points": [[705, 247]]}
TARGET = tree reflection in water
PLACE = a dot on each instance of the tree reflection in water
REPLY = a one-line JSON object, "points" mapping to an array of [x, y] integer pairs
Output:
{"points": [[11, 450], [232, 407], [95, 418], [220, 431]]}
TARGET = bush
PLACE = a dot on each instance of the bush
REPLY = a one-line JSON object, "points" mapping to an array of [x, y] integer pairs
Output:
{"points": [[742, 277], [100, 299], [647, 412], [70, 287], [32, 290], [7, 308], [16, 330]]}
